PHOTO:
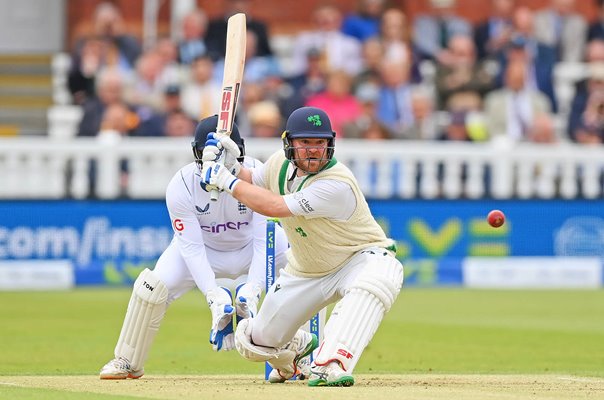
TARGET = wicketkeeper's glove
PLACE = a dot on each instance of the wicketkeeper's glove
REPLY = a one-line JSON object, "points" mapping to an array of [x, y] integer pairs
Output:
{"points": [[221, 334], [247, 297]]}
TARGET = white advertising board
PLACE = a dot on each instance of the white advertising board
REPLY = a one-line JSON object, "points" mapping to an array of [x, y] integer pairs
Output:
{"points": [[36, 275], [532, 272]]}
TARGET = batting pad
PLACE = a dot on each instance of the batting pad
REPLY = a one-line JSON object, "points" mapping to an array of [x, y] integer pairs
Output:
{"points": [[247, 349], [282, 359], [356, 317], [145, 312]]}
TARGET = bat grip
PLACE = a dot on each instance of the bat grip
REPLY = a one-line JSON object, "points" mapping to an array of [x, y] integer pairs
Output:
{"points": [[214, 192]]}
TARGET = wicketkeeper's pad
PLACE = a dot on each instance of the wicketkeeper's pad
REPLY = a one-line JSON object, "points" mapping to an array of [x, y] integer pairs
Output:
{"points": [[145, 312]]}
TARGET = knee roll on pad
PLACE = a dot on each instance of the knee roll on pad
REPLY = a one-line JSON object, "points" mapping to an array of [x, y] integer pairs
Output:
{"points": [[357, 316], [383, 280], [145, 312]]}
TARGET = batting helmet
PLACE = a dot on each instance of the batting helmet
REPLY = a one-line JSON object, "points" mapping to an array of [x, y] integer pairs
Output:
{"points": [[308, 122], [208, 125]]}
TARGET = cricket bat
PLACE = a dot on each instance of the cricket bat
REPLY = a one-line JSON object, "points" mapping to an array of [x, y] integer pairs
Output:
{"points": [[234, 61]]}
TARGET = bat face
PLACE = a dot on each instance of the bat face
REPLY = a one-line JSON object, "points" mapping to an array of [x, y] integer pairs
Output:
{"points": [[230, 95], [234, 61]]}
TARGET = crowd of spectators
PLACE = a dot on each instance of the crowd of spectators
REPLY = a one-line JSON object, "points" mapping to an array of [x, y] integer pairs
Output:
{"points": [[366, 68]]}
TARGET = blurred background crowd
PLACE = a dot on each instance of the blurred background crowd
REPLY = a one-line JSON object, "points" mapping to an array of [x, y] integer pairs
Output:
{"points": [[379, 74]]}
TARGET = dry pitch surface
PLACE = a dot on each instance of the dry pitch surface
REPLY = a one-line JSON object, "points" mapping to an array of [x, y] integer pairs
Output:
{"points": [[367, 387]]}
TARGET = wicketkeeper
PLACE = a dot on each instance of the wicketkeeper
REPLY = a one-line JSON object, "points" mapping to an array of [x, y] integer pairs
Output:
{"points": [[338, 252], [222, 240]]}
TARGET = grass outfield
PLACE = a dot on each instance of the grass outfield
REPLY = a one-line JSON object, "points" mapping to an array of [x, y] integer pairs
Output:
{"points": [[435, 340]]}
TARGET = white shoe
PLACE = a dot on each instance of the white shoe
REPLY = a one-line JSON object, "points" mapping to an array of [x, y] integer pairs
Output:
{"points": [[302, 372], [275, 376], [329, 375], [119, 368], [304, 368], [302, 344]]}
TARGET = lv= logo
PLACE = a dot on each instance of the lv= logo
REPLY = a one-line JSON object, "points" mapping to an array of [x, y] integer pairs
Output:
{"points": [[474, 234]]}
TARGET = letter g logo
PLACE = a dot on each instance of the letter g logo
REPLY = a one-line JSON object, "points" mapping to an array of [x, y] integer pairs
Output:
{"points": [[178, 225]]}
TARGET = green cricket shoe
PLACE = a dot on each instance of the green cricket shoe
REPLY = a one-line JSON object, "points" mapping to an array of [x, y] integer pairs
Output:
{"points": [[329, 375]]}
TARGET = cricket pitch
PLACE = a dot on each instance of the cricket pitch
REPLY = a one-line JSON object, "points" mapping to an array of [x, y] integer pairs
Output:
{"points": [[367, 387]]}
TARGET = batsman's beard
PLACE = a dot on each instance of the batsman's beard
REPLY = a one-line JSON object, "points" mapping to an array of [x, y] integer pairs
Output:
{"points": [[311, 164]]}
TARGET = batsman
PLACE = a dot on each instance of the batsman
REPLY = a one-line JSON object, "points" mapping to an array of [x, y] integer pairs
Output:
{"points": [[338, 252]]}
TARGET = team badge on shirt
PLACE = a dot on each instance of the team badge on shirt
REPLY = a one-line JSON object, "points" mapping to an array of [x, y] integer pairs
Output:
{"points": [[301, 231]]}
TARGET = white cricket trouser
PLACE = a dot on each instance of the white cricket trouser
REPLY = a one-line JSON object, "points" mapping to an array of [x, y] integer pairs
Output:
{"points": [[293, 300], [234, 265]]}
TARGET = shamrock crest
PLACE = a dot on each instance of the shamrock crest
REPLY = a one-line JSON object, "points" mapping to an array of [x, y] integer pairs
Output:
{"points": [[315, 120]]}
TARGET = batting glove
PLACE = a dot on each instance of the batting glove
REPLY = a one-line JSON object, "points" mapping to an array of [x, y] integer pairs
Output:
{"points": [[221, 334], [218, 176], [219, 145], [247, 297]]}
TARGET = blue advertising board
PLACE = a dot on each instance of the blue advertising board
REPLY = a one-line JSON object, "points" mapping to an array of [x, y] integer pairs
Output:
{"points": [[458, 228], [434, 237], [109, 242]]}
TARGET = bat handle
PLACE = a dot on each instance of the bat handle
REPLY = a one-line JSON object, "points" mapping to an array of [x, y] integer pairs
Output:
{"points": [[214, 192]]}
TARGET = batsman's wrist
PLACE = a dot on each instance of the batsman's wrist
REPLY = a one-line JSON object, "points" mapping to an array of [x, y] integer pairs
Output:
{"points": [[232, 185]]}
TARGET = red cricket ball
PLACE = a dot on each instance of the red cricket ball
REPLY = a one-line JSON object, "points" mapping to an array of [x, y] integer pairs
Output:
{"points": [[496, 218]]}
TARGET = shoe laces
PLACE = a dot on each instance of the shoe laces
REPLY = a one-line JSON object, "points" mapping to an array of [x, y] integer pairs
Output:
{"points": [[320, 371], [324, 370], [120, 363]]}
